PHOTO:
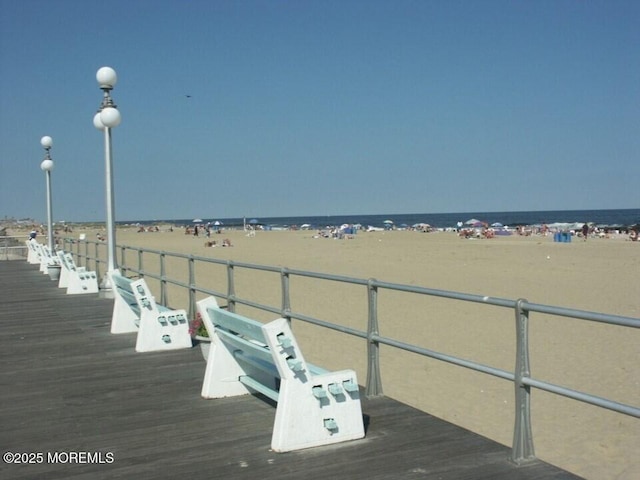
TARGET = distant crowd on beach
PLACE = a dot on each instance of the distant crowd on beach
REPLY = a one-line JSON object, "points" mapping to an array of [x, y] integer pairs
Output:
{"points": [[480, 230], [584, 232], [467, 230]]}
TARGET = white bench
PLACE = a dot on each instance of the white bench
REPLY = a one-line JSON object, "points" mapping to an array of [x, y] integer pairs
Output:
{"points": [[314, 407], [135, 310], [76, 280], [44, 256], [33, 254]]}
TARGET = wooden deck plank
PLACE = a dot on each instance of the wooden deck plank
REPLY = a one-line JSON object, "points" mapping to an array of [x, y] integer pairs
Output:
{"points": [[67, 384]]}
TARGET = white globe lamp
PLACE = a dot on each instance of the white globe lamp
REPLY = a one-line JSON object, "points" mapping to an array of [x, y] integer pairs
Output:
{"points": [[97, 122], [110, 117], [107, 77], [46, 141], [46, 165]]}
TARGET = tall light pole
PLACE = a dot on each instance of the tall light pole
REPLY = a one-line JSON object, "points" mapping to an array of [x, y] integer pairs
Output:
{"points": [[107, 118], [47, 166]]}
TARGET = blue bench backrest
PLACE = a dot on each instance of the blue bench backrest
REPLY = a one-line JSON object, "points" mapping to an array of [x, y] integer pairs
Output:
{"points": [[123, 284], [238, 324], [247, 336]]}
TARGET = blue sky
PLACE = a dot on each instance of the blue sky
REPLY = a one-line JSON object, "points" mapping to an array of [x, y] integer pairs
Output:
{"points": [[321, 107]]}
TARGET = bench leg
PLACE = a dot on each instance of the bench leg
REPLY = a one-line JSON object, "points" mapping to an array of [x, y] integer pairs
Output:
{"points": [[123, 320], [303, 419], [63, 282], [167, 330], [222, 375], [82, 282], [159, 329]]}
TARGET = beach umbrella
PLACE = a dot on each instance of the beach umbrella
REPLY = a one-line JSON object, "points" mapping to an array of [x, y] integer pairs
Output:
{"points": [[197, 220], [475, 223], [388, 221], [497, 224], [217, 222]]}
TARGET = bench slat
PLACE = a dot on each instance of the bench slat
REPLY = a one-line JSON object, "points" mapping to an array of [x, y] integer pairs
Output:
{"points": [[250, 348], [262, 351], [237, 323], [122, 282], [130, 298], [259, 387], [269, 368]]}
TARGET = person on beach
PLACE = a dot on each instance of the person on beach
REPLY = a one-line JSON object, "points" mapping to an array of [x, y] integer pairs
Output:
{"points": [[585, 232]]}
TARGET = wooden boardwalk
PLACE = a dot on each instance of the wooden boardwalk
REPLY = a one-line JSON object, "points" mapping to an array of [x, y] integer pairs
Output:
{"points": [[67, 385]]}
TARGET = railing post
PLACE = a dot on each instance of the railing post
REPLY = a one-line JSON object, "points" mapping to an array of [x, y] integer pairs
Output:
{"points": [[286, 299], [231, 288], [140, 272], [86, 254], [192, 287], [96, 262], [163, 282], [522, 450], [373, 387], [123, 260]]}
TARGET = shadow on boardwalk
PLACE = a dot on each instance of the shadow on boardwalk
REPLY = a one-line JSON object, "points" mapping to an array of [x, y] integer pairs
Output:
{"points": [[68, 385]]}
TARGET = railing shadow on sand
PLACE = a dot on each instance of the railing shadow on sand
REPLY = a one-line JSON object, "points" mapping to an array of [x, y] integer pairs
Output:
{"points": [[132, 263]]}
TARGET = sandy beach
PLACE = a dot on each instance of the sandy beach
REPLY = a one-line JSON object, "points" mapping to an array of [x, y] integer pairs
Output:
{"points": [[597, 275]]}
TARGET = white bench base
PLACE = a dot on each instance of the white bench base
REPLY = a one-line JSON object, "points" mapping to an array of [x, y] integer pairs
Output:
{"points": [[135, 310], [123, 318], [77, 280], [33, 257], [160, 328]]}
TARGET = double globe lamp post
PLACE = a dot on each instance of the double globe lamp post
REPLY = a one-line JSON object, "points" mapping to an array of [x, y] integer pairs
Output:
{"points": [[105, 119], [47, 166]]}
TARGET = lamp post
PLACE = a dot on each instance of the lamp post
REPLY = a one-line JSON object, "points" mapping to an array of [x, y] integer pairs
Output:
{"points": [[47, 166], [107, 118]]}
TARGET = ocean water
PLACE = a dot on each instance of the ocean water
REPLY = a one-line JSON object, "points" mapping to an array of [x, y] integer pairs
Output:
{"points": [[611, 218]]}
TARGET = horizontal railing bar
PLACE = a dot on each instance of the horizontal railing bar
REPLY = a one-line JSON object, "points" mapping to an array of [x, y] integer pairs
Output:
{"points": [[496, 372], [583, 397], [583, 315], [468, 297], [328, 276], [329, 325], [257, 305]]}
